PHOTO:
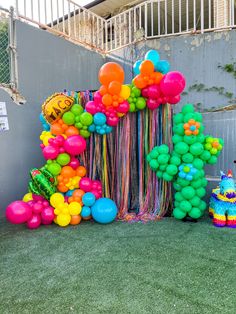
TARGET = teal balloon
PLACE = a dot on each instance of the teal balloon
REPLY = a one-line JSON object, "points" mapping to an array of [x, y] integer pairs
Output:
{"points": [[153, 56], [86, 212], [88, 199], [163, 66], [136, 67], [99, 118], [104, 211]]}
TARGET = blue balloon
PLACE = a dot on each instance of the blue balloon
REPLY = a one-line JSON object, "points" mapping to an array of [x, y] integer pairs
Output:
{"points": [[92, 128], [99, 118], [104, 210], [153, 56], [88, 199], [163, 66], [45, 125], [136, 67], [86, 212], [109, 129], [69, 193]]}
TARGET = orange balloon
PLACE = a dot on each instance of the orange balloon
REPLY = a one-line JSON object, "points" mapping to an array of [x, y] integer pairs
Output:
{"points": [[71, 131], [56, 129], [67, 172], [75, 220], [146, 67], [62, 188], [139, 81], [114, 88], [188, 132], [81, 171], [103, 90], [109, 72], [157, 77], [78, 193], [186, 126], [107, 99]]}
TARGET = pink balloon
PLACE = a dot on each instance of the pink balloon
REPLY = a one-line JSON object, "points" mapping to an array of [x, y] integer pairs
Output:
{"points": [[47, 215], [145, 92], [75, 145], [37, 208], [112, 120], [123, 107], [174, 100], [91, 107], [152, 103], [85, 184], [18, 212], [97, 97], [153, 91], [37, 198], [50, 152], [172, 84], [74, 163], [97, 194], [34, 222]]}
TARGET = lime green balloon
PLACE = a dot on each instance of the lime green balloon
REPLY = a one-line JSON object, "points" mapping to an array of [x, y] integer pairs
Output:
{"points": [[187, 108], [154, 153], [198, 163], [84, 133], [206, 155], [183, 182], [201, 138], [167, 177], [196, 149], [200, 192], [132, 107], [154, 164], [79, 125], [63, 159], [175, 160], [163, 149], [140, 103], [163, 167], [177, 186], [181, 148], [212, 160], [188, 158], [68, 118], [136, 91], [202, 206], [177, 138], [185, 206], [178, 118], [188, 192], [190, 139], [179, 197], [171, 170], [163, 159], [159, 174], [196, 183], [195, 213], [178, 213], [188, 116], [77, 109], [195, 201], [178, 129], [54, 168], [86, 118]]}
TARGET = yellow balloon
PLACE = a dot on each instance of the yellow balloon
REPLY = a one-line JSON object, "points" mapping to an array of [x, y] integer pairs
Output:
{"points": [[63, 220], [56, 211], [65, 211], [55, 220], [27, 197], [74, 208], [125, 92], [56, 199], [45, 136]]}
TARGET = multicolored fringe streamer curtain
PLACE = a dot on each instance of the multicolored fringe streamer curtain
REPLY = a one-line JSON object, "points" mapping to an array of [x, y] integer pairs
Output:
{"points": [[119, 160]]}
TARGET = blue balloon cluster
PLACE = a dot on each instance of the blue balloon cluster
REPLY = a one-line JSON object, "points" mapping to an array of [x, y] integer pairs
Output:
{"points": [[46, 126], [99, 124], [88, 200]]}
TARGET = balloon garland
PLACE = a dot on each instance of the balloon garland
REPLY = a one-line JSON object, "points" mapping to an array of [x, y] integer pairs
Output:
{"points": [[60, 191]]}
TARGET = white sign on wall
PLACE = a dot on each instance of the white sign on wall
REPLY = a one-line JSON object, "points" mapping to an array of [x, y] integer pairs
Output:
{"points": [[3, 109], [4, 125]]}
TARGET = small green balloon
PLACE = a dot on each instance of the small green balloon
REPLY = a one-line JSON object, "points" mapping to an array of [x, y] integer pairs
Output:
{"points": [[159, 174], [171, 170], [185, 206], [140, 103], [202, 206], [178, 118], [154, 153], [177, 138], [154, 164], [176, 204], [132, 107], [178, 213], [187, 108], [212, 160], [188, 192], [68, 118], [181, 148], [163, 159], [183, 182], [187, 158], [188, 116], [54, 168], [190, 139], [167, 177], [163, 167], [175, 160], [201, 192], [136, 91], [201, 138], [196, 149], [206, 155], [204, 182], [86, 118], [79, 125], [163, 149], [84, 133], [198, 117], [63, 159], [196, 183], [130, 100], [178, 129], [179, 197], [176, 186], [195, 201], [195, 213], [198, 163], [77, 109]]}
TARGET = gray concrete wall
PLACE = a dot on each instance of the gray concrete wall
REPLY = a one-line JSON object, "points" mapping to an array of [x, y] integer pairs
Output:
{"points": [[46, 64]]}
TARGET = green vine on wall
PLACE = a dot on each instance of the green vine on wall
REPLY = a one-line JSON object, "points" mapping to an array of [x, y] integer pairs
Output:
{"points": [[229, 68], [202, 88]]}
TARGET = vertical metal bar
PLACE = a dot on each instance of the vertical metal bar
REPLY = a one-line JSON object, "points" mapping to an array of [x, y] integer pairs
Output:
{"points": [[125, 28], [115, 33], [57, 14], [194, 15], [101, 34], [83, 27], [97, 33], [180, 16], [233, 22], [32, 10], [135, 26], [17, 8], [63, 16], [45, 11], [209, 14], [24, 6], [187, 16], [130, 39], [120, 39], [111, 37], [140, 17], [165, 16], [106, 34], [173, 16], [202, 16], [226, 20], [159, 18], [51, 14], [93, 31], [69, 30], [146, 21], [152, 18], [39, 11], [75, 30], [217, 14]]}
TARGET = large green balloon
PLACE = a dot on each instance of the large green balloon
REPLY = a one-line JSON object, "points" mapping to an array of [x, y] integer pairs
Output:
{"points": [[198, 163], [206, 155], [178, 214], [188, 192], [86, 118], [63, 159], [181, 148], [178, 129], [188, 158], [140, 103], [54, 168], [77, 109], [179, 197], [190, 139], [212, 160], [177, 138], [68, 118], [195, 201], [196, 149], [200, 192], [195, 213], [196, 183], [185, 206]]}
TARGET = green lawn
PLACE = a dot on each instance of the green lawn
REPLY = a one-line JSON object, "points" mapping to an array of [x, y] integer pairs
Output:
{"points": [[164, 267]]}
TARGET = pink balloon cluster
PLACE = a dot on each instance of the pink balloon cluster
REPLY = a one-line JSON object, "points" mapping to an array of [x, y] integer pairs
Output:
{"points": [[93, 186], [33, 213]]}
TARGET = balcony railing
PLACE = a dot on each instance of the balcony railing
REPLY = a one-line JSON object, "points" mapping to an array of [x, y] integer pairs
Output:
{"points": [[150, 19]]}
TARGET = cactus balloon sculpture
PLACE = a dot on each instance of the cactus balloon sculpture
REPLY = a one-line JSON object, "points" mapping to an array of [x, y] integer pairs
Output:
{"points": [[185, 164]]}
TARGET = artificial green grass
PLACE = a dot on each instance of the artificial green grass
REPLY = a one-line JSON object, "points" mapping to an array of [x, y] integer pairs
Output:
{"points": [[160, 267]]}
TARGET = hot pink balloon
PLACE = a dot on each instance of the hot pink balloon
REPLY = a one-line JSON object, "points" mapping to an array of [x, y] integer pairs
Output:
{"points": [[47, 215], [37, 198], [85, 184], [172, 84], [123, 107], [112, 120], [50, 152], [174, 100], [37, 208], [97, 97], [97, 194], [91, 107], [18, 212], [152, 103], [75, 145], [153, 91], [34, 222], [145, 92], [74, 163]]}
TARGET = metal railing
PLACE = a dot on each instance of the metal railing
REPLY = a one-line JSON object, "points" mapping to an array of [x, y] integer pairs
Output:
{"points": [[150, 19], [4, 50]]}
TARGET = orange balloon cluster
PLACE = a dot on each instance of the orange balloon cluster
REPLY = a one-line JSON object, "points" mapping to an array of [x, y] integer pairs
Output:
{"points": [[60, 128], [147, 75], [76, 196], [69, 178]]}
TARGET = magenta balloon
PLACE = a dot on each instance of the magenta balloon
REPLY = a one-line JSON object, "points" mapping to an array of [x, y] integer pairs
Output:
{"points": [[153, 91], [145, 92], [85, 184], [112, 121], [37, 208], [18, 212], [152, 103], [91, 107], [172, 84], [96, 193], [47, 215], [123, 107], [34, 222], [50, 152], [75, 145], [174, 100], [37, 198], [74, 163], [97, 97]]}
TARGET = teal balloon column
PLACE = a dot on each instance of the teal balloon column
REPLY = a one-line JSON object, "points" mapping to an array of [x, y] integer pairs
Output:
{"points": [[185, 164]]}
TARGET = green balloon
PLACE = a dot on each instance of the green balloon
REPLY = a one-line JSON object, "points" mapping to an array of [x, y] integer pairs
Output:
{"points": [[159, 174], [212, 160], [188, 192], [149, 158], [163, 159], [163, 167], [175, 154], [176, 186], [179, 197], [136, 91], [183, 182], [177, 138], [198, 117], [175, 160], [195, 213], [202, 128], [154, 164], [205, 155], [63, 159], [195, 201], [196, 149], [176, 204], [140, 103], [167, 177], [204, 182], [181, 148], [171, 170], [77, 109], [132, 107], [154, 153], [178, 129], [187, 108], [188, 158], [185, 206], [178, 118], [178, 214], [198, 163], [201, 192], [188, 116], [68, 118], [202, 206], [163, 149], [201, 138], [196, 183], [84, 133], [54, 168], [130, 100], [190, 139], [79, 125], [86, 118]]}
